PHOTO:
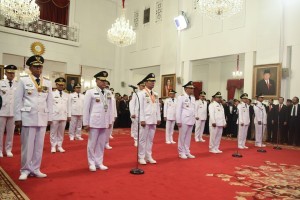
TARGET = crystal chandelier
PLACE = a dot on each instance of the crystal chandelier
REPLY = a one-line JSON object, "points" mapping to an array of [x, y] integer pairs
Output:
{"points": [[237, 73], [121, 33], [20, 11], [220, 9]]}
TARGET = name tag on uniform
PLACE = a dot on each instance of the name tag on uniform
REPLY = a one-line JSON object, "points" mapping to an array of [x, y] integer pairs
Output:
{"points": [[26, 109], [29, 85], [96, 93], [56, 97], [4, 86]]}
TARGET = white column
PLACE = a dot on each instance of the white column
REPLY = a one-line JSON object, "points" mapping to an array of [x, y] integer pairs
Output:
{"points": [[187, 72], [248, 73], [295, 72], [214, 77]]}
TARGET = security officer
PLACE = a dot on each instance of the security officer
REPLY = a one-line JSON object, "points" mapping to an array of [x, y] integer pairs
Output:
{"points": [[201, 116], [260, 120], [134, 112], [109, 131], [33, 111], [170, 116], [7, 91], [243, 121], [97, 118], [149, 118], [185, 119], [60, 116], [217, 122], [75, 113]]}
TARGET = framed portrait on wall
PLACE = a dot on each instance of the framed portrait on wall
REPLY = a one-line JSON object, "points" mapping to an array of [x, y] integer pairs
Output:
{"points": [[267, 80], [1, 72], [71, 80], [168, 82]]}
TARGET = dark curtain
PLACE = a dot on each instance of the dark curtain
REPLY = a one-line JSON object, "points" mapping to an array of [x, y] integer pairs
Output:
{"points": [[54, 10], [198, 89], [232, 85]]}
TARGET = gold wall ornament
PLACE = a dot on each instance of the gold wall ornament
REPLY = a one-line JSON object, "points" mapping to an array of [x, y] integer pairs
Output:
{"points": [[37, 48]]}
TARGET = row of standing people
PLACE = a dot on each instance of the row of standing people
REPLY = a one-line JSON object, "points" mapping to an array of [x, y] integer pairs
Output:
{"points": [[30, 104]]}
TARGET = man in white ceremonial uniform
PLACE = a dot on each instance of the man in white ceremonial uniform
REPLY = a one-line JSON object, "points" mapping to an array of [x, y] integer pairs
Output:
{"points": [[97, 118], [185, 119], [217, 122], [75, 113], [8, 87], [260, 120], [149, 118], [201, 117], [60, 116], [170, 116], [110, 95], [33, 111], [134, 113], [243, 121]]}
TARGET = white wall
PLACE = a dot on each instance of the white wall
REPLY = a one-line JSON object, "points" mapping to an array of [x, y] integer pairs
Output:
{"points": [[258, 32], [215, 72], [94, 19]]}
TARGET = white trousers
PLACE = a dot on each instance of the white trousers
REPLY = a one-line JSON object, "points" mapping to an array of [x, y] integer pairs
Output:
{"points": [[146, 141], [57, 131], [259, 131], [242, 135], [184, 139], [215, 137], [134, 128], [95, 146], [75, 126], [9, 124], [199, 128], [170, 130], [32, 144], [109, 133]]}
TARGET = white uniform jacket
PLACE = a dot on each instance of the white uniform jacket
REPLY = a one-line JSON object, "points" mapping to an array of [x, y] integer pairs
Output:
{"points": [[94, 113], [185, 110], [260, 113], [216, 114], [31, 107], [244, 117], [7, 93], [149, 107], [75, 104], [134, 105], [201, 109], [60, 105], [170, 109], [114, 107]]}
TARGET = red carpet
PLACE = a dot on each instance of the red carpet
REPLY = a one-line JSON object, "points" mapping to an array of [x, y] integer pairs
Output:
{"points": [[172, 178]]}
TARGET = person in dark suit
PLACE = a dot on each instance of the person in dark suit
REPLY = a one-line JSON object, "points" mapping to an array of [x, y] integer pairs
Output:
{"points": [[233, 116], [70, 85], [125, 121], [251, 114], [294, 123], [280, 112], [266, 86], [269, 110], [226, 112]]}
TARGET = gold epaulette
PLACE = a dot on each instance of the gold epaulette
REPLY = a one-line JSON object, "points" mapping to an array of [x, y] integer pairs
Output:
{"points": [[24, 75], [46, 78]]}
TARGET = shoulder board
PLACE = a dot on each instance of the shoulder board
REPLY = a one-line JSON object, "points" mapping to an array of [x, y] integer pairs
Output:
{"points": [[66, 91], [46, 78], [24, 76]]}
